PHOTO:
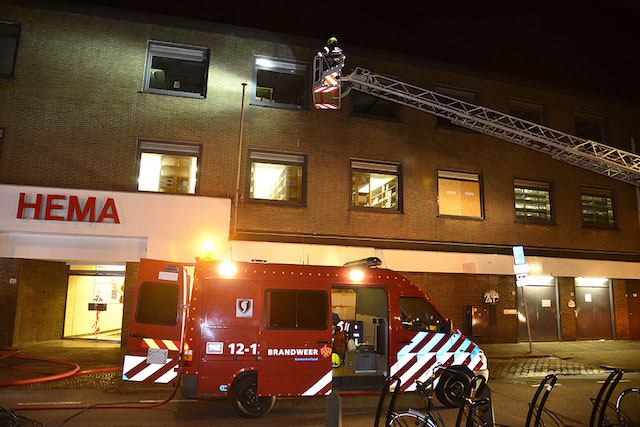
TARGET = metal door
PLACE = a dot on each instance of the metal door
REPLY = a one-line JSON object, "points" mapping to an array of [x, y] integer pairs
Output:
{"points": [[542, 312], [593, 313], [633, 305]]}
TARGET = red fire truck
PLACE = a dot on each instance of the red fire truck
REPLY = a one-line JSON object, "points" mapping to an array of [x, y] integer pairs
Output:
{"points": [[253, 331]]}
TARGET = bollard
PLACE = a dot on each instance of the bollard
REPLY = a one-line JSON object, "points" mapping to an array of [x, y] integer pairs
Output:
{"points": [[334, 410]]}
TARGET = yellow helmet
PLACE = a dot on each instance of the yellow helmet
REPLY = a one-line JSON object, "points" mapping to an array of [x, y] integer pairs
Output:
{"points": [[331, 41], [335, 360]]}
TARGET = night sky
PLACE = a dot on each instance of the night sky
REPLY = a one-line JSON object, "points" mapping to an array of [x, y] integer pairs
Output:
{"points": [[586, 45]]}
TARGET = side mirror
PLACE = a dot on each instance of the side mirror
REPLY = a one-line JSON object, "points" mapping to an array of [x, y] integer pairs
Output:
{"points": [[447, 326]]}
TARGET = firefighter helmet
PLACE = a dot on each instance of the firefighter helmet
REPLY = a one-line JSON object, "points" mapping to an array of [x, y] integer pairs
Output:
{"points": [[335, 360], [332, 41]]}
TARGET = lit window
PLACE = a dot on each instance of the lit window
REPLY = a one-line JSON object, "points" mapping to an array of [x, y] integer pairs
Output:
{"points": [[459, 94], [375, 185], [372, 107], [279, 83], [598, 207], [459, 194], [533, 201], [9, 34], [277, 177], [529, 111], [167, 167], [591, 127], [176, 70]]}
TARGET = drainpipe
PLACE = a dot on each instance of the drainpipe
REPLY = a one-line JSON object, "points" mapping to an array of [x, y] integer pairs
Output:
{"points": [[237, 195]]}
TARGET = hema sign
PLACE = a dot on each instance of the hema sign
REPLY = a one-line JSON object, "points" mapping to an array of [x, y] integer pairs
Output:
{"points": [[56, 207]]}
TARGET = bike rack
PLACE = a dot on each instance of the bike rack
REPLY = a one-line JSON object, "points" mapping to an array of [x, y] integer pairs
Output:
{"points": [[383, 395], [599, 404], [547, 384], [482, 402]]}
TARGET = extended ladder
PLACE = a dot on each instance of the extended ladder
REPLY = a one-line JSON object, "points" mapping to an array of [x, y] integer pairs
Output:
{"points": [[591, 155]]}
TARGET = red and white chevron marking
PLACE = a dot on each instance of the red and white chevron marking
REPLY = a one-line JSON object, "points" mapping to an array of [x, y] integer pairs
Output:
{"points": [[325, 89], [322, 387], [136, 368], [154, 343], [331, 79], [326, 106]]}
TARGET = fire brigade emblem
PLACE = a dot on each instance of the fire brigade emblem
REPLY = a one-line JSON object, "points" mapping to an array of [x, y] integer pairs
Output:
{"points": [[244, 307], [325, 351]]}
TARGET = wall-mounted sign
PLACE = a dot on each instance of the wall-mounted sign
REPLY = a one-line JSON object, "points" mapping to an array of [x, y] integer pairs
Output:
{"points": [[491, 297], [518, 255], [571, 304], [56, 207], [510, 311], [545, 303]]}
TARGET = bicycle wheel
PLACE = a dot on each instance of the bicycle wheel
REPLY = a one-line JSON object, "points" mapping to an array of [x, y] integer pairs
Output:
{"points": [[628, 407], [407, 419]]}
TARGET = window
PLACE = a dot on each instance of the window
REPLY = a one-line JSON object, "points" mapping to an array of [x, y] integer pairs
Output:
{"points": [[533, 201], [158, 303], [460, 94], [277, 177], [168, 167], [279, 83], [418, 315], [529, 111], [591, 127], [459, 194], [598, 207], [9, 34], [291, 309], [376, 185], [372, 107], [176, 70]]}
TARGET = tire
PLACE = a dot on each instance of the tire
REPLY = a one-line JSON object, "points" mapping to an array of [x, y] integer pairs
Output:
{"points": [[407, 419], [451, 386], [245, 400]]}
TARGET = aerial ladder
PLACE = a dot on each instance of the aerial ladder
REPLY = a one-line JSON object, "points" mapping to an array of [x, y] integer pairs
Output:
{"points": [[594, 156]]}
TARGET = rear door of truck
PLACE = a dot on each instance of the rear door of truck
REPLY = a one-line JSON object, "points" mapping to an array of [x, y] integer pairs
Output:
{"points": [[156, 325]]}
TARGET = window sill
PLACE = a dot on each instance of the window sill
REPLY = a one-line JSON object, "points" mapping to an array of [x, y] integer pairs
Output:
{"points": [[174, 94], [277, 203], [600, 227], [376, 210], [476, 218], [279, 105], [534, 222]]}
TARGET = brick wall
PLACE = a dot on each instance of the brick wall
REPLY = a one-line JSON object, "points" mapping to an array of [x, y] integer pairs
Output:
{"points": [[621, 312], [9, 272], [566, 293], [74, 112], [453, 292], [129, 290], [41, 299]]}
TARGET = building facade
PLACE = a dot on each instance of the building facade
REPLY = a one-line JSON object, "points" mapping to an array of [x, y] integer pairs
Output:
{"points": [[121, 140]]}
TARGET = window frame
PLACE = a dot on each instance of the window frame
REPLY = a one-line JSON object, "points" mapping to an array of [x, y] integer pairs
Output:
{"points": [[530, 107], [267, 309], [593, 119], [398, 173], [177, 305], [352, 112], [541, 184], [480, 187], [302, 202], [149, 60], [186, 153], [281, 69], [588, 190], [441, 122], [428, 305], [18, 27]]}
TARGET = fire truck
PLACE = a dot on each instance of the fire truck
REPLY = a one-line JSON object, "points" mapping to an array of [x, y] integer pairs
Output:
{"points": [[255, 331]]}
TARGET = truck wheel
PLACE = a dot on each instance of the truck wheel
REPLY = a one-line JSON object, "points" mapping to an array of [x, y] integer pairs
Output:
{"points": [[245, 400], [451, 386]]}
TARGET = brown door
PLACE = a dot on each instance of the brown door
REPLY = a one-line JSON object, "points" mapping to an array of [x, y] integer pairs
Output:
{"points": [[633, 305], [593, 313], [542, 312]]}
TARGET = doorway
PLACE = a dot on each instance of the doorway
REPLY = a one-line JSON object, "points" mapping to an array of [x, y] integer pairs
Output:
{"points": [[542, 309], [633, 305], [95, 293], [593, 309]]}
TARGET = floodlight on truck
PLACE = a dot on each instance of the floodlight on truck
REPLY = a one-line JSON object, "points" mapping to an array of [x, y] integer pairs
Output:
{"points": [[227, 268]]}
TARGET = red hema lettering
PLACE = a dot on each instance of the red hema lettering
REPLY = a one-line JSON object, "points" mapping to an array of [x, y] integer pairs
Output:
{"points": [[55, 206]]}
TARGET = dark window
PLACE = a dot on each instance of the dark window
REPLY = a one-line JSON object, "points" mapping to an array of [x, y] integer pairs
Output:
{"points": [[459, 94], [176, 70], [9, 34], [158, 303], [280, 83], [277, 177], [418, 315], [528, 111], [533, 201], [372, 107], [376, 185], [459, 194], [591, 127], [168, 167], [291, 309], [598, 207]]}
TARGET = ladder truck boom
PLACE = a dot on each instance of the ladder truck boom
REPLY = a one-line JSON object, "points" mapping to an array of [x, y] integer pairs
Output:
{"points": [[591, 155]]}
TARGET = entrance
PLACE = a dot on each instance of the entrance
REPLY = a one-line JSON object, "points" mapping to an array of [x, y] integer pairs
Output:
{"points": [[633, 305], [593, 308], [94, 302], [541, 297]]}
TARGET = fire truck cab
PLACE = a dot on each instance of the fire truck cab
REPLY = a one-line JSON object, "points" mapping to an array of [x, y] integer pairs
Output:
{"points": [[253, 331]]}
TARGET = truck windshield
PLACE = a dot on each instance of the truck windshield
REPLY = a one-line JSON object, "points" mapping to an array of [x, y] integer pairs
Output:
{"points": [[418, 315]]}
